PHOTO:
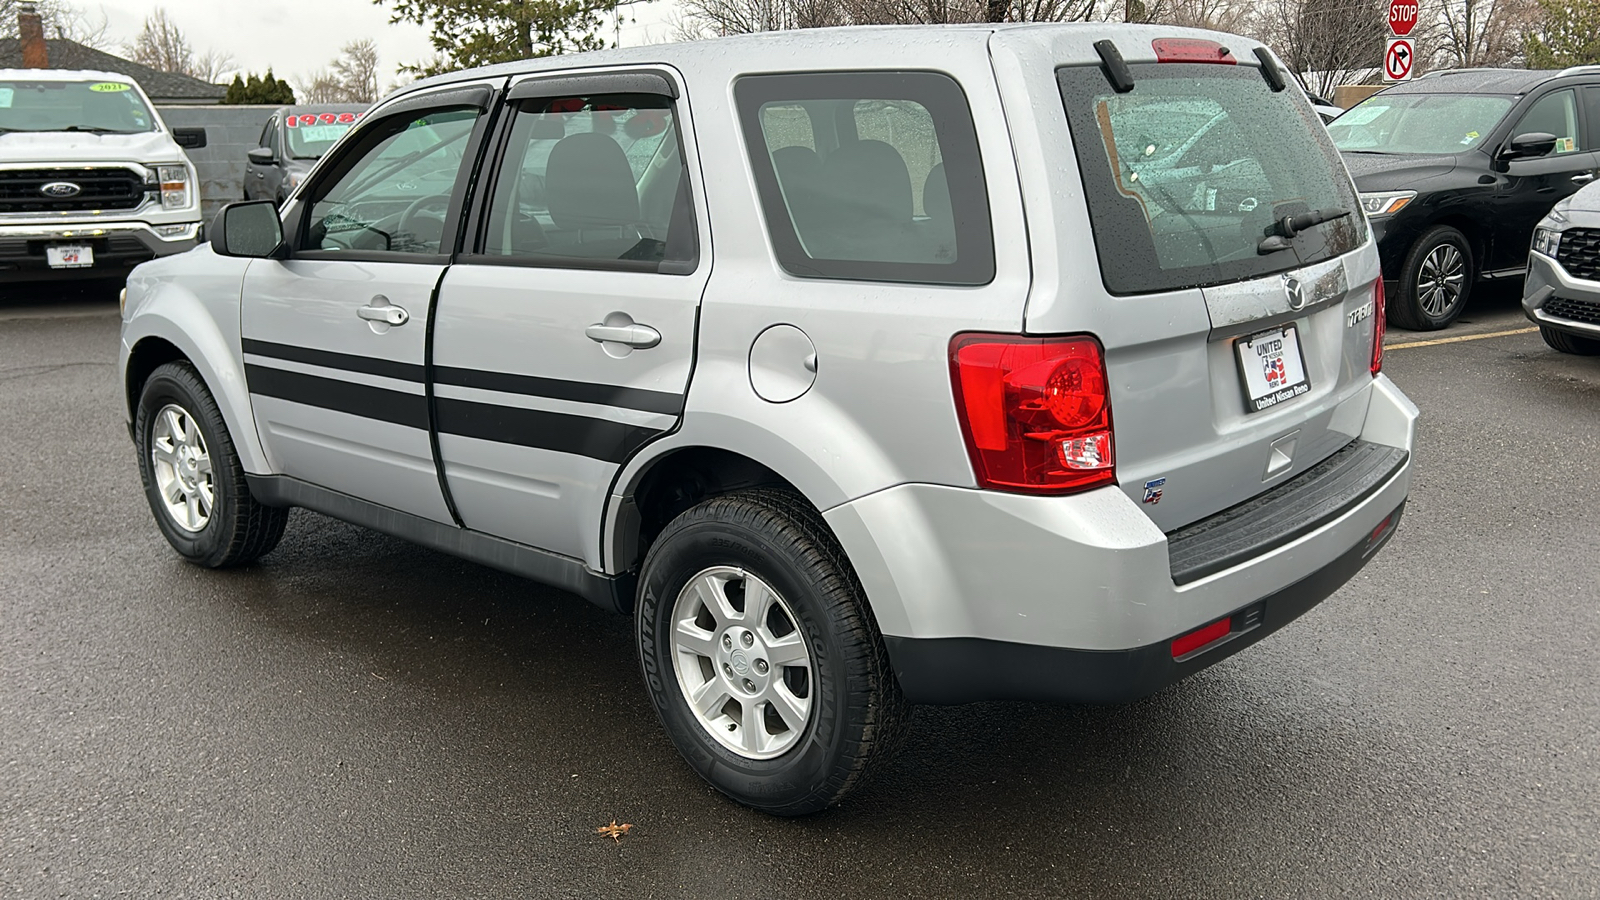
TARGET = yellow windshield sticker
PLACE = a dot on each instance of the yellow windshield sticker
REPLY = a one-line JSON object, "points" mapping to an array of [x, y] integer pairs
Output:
{"points": [[109, 87]]}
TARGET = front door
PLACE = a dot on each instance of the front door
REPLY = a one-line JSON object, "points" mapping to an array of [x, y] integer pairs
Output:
{"points": [[564, 338], [1531, 187], [335, 336]]}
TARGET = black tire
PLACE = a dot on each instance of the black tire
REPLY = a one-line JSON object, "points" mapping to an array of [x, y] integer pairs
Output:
{"points": [[1569, 343], [238, 530], [858, 715], [1410, 308]]}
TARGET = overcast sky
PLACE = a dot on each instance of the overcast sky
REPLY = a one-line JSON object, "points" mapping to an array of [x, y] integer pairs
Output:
{"points": [[298, 37]]}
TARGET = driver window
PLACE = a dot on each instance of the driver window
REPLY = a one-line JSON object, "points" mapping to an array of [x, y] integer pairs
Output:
{"points": [[1555, 114], [272, 139], [392, 192]]}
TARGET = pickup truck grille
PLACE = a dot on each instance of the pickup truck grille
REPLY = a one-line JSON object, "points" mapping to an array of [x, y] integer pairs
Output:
{"points": [[102, 188], [1579, 253]]}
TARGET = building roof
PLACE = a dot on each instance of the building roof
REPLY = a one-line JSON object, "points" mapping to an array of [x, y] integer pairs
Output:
{"points": [[161, 87]]}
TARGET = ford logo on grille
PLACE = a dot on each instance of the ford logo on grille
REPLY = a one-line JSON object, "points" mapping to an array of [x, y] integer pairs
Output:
{"points": [[61, 189]]}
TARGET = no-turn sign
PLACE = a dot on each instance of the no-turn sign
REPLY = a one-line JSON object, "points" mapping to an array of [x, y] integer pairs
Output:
{"points": [[1402, 16], [1397, 60]]}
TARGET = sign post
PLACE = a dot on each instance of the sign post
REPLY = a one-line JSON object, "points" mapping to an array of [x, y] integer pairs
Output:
{"points": [[1400, 53]]}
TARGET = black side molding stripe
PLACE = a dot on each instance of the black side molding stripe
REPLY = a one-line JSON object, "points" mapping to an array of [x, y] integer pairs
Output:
{"points": [[595, 438], [350, 362], [342, 396], [556, 389]]}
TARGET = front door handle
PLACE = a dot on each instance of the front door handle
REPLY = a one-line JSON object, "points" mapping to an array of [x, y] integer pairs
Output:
{"points": [[383, 311], [639, 337], [1583, 178]]}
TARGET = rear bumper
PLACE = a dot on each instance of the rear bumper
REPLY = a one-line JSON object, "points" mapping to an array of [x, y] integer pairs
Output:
{"points": [[1554, 299], [982, 595], [966, 670], [117, 246]]}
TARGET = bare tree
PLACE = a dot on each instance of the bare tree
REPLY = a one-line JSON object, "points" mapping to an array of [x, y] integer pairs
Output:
{"points": [[213, 66], [161, 45], [1482, 32], [350, 78], [1327, 43], [61, 20]]}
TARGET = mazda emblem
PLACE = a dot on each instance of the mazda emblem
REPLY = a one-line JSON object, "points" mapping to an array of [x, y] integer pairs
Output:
{"points": [[1297, 294], [61, 189]]}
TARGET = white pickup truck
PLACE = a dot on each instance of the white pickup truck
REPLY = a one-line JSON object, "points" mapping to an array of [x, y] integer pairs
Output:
{"points": [[91, 181]]}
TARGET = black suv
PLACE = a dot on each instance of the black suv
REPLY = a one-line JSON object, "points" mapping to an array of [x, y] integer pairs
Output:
{"points": [[1456, 167]]}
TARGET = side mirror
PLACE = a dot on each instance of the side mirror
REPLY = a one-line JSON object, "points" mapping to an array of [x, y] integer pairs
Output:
{"points": [[1528, 146], [190, 138], [250, 229], [263, 156]]}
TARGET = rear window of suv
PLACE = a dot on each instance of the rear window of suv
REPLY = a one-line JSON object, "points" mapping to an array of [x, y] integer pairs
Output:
{"points": [[872, 176], [1189, 171]]}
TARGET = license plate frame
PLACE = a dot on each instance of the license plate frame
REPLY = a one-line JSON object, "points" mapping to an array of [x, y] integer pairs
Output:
{"points": [[69, 256], [1272, 367]]}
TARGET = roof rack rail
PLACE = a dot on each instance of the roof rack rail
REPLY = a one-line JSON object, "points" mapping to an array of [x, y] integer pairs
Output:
{"points": [[1578, 70], [1440, 73]]}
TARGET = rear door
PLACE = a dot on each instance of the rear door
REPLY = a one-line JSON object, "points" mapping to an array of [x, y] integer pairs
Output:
{"points": [[335, 336], [565, 335], [1238, 353]]}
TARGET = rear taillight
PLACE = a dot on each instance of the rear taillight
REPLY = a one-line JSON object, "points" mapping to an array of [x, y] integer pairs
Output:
{"points": [[1377, 326], [1191, 50], [1035, 412]]}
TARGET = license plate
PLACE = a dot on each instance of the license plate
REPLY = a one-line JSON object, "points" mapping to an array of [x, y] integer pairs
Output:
{"points": [[69, 256], [1272, 368]]}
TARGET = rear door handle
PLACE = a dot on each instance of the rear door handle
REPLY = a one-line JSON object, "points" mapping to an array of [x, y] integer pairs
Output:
{"points": [[381, 310], [639, 337], [1583, 178]]}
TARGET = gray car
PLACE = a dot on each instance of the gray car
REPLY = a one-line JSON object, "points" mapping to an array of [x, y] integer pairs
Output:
{"points": [[1561, 293], [1050, 371], [291, 142]]}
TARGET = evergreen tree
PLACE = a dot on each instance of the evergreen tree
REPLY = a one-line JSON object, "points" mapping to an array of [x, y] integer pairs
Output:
{"points": [[262, 89], [1568, 36], [470, 33]]}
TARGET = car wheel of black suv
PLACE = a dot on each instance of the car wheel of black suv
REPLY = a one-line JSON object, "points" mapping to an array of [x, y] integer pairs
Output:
{"points": [[192, 475], [1569, 343], [1435, 281], [761, 655]]}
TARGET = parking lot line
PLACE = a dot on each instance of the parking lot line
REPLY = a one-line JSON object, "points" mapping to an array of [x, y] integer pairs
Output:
{"points": [[1457, 340]]}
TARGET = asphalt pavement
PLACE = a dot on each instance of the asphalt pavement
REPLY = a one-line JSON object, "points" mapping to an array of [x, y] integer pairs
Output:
{"points": [[358, 717]]}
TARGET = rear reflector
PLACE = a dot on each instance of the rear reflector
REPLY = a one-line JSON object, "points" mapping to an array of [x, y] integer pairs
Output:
{"points": [[1189, 50], [1200, 637]]}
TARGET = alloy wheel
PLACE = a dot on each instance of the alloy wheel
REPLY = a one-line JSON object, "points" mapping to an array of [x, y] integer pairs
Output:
{"points": [[182, 468], [1440, 279], [742, 663]]}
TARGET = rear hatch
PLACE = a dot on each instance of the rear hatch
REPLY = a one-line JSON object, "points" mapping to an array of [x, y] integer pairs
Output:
{"points": [[1238, 347]]}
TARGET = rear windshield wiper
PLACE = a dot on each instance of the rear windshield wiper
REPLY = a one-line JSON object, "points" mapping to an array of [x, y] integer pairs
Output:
{"points": [[1284, 230]]}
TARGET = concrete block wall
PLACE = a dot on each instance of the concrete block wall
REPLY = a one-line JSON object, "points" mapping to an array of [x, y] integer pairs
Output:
{"points": [[231, 131]]}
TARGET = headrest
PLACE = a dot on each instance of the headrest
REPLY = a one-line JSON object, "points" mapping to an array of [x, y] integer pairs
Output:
{"points": [[936, 196], [867, 180], [589, 184]]}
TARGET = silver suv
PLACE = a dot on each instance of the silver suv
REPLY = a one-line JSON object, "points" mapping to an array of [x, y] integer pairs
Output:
{"points": [[1049, 372]]}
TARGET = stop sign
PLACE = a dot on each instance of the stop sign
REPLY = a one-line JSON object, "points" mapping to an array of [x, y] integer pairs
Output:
{"points": [[1402, 16]]}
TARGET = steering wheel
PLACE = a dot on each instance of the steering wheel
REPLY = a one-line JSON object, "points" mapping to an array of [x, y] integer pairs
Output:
{"points": [[407, 219]]}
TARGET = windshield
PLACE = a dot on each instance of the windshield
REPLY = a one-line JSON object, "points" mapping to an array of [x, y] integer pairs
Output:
{"points": [[1428, 124], [1190, 173], [103, 107], [311, 134]]}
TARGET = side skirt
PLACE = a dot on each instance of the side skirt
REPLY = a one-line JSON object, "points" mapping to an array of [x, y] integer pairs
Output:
{"points": [[611, 593]]}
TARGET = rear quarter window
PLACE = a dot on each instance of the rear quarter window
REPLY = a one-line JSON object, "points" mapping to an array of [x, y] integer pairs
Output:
{"points": [[869, 176], [1187, 173]]}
